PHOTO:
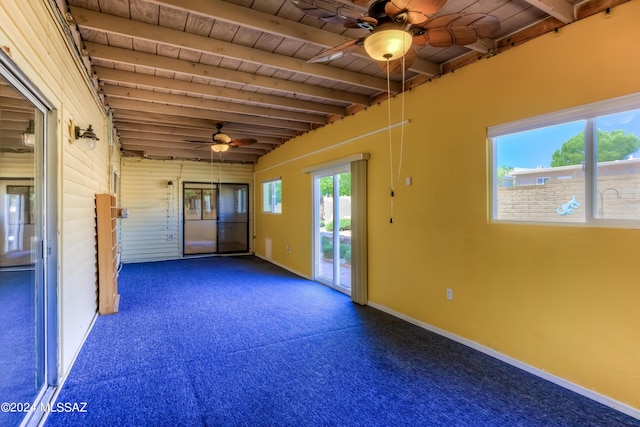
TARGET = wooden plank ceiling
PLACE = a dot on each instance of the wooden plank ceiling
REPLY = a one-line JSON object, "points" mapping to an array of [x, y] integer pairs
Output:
{"points": [[170, 70], [16, 116]]}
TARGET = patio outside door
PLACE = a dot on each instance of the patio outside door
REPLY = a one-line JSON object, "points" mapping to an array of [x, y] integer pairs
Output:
{"points": [[24, 324], [332, 225], [216, 218], [200, 218]]}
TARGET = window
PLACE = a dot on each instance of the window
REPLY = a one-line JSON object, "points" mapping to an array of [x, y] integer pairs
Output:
{"points": [[21, 204], [575, 166], [542, 180], [272, 196]]}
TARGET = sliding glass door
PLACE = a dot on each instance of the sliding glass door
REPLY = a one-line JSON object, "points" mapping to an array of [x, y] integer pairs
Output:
{"points": [[216, 218], [200, 219], [332, 228], [25, 353]]}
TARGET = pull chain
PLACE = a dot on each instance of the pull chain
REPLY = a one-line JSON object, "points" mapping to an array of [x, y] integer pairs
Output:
{"points": [[394, 183]]}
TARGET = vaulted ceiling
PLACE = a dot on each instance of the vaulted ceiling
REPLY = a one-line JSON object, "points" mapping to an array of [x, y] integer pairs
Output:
{"points": [[170, 70]]}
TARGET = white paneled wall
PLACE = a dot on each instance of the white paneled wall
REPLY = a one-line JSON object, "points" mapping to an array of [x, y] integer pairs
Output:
{"points": [[31, 31], [153, 230]]}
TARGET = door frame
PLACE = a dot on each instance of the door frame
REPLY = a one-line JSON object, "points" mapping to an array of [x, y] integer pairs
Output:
{"points": [[217, 186], [316, 239], [46, 161]]}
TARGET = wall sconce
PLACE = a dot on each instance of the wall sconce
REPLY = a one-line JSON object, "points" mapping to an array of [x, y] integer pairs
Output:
{"points": [[87, 134], [29, 135], [170, 185]]}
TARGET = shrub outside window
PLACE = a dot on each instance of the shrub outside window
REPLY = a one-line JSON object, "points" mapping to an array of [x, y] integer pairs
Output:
{"points": [[272, 196], [575, 166]]}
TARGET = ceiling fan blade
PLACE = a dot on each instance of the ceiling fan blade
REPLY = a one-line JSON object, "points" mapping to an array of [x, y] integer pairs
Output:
{"points": [[241, 142], [486, 25], [417, 10], [365, 23], [203, 145], [312, 8], [457, 29], [328, 11], [336, 52]]}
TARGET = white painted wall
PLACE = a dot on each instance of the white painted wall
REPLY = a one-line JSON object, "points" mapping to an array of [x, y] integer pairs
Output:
{"points": [[153, 231], [32, 33]]}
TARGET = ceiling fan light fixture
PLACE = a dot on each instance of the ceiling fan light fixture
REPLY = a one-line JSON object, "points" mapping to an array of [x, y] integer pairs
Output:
{"points": [[220, 147], [387, 45]]}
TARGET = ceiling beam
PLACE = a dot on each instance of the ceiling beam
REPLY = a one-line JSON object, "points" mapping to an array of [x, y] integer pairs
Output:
{"points": [[124, 115], [188, 133], [190, 112], [246, 17], [156, 34], [15, 104], [187, 141], [19, 116], [139, 142], [127, 56], [127, 77], [483, 46], [559, 9], [209, 104], [17, 125], [170, 153]]}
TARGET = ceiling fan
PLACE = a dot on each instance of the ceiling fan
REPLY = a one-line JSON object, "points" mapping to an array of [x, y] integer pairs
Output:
{"points": [[222, 142], [395, 25]]}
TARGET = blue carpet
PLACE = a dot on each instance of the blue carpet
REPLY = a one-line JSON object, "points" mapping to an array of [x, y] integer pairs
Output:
{"points": [[240, 342], [17, 341]]}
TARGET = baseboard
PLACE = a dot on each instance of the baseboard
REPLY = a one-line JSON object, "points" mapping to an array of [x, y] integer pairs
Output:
{"points": [[297, 273], [590, 394]]}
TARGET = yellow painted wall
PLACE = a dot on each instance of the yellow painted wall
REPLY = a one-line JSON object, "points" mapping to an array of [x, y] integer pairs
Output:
{"points": [[562, 299]]}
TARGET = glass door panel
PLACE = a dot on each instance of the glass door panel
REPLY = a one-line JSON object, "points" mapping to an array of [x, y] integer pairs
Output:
{"points": [[233, 223], [200, 219], [216, 218], [343, 225], [325, 254], [22, 290], [333, 229]]}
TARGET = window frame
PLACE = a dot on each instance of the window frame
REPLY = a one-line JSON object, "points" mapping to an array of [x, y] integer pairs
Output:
{"points": [[588, 113], [542, 180], [269, 185]]}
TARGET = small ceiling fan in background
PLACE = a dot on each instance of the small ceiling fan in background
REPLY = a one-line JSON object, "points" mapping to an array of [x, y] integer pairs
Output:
{"points": [[395, 25], [222, 142]]}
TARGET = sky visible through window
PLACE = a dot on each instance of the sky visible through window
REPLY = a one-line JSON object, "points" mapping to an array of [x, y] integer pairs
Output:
{"points": [[534, 148]]}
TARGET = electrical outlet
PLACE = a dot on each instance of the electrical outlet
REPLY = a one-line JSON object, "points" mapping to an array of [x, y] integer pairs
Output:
{"points": [[169, 236], [289, 248], [449, 294]]}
